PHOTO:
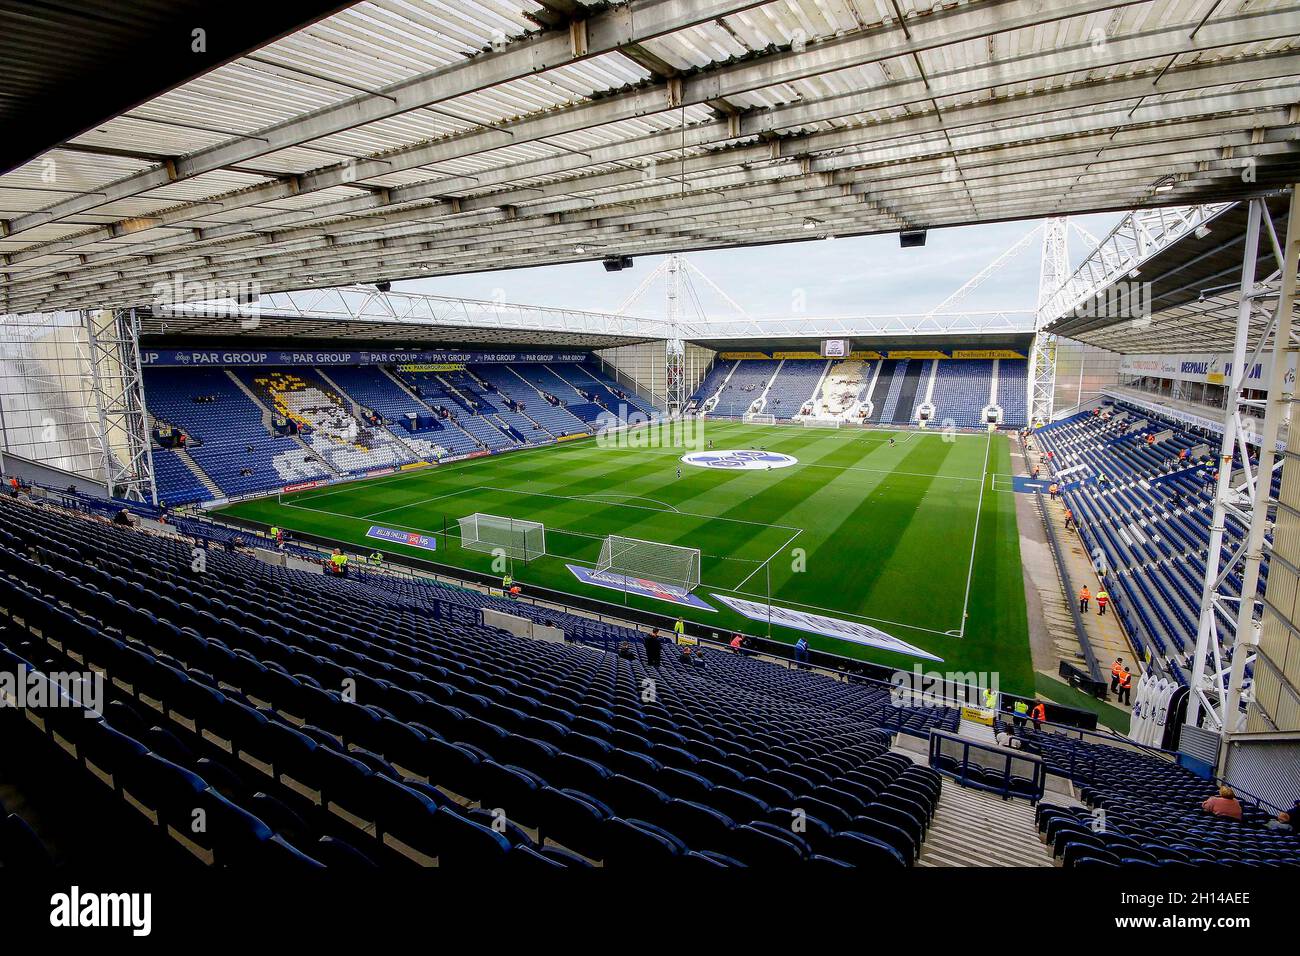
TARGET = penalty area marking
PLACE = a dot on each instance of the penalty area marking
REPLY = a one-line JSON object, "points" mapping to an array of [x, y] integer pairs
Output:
{"points": [[737, 591]]}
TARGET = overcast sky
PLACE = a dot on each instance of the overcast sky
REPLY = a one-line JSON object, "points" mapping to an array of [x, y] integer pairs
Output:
{"points": [[869, 275]]}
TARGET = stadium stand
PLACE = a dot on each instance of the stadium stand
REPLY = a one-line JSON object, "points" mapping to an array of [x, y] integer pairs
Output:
{"points": [[843, 390], [539, 405], [601, 390], [744, 387], [533, 408], [793, 385], [354, 419], [329, 424], [229, 434], [560, 734], [1149, 517], [1013, 391], [1152, 812], [961, 392], [713, 381]]}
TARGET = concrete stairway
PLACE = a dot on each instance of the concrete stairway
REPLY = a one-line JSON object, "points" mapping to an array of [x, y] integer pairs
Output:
{"points": [[974, 828]]}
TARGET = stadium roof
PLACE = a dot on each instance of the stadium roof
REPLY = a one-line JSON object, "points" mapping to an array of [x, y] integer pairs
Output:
{"points": [[1193, 287], [397, 139]]}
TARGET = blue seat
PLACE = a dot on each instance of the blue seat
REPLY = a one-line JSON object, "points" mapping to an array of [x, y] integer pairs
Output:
{"points": [[461, 842], [631, 842]]}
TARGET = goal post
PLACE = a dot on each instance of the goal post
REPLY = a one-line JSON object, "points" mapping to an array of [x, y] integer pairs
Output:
{"points": [[754, 418], [821, 423], [663, 563], [514, 536]]}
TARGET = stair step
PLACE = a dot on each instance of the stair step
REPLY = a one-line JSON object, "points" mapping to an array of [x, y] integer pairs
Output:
{"points": [[975, 828]]}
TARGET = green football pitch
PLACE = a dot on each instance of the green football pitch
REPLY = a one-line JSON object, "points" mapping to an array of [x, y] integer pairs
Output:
{"points": [[917, 538]]}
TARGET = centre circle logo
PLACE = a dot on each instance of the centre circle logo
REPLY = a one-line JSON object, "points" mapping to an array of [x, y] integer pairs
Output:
{"points": [[748, 459]]}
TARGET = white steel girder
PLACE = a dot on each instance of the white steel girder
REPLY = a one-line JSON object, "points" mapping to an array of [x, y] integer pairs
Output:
{"points": [[1053, 268], [1228, 629], [1139, 236]]}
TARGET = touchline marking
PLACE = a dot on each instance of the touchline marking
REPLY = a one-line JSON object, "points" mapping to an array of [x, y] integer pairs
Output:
{"points": [[975, 537], [835, 612]]}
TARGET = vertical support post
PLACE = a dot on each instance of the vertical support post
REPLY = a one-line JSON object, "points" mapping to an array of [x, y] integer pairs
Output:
{"points": [[1053, 273], [118, 386], [1207, 634], [1279, 398], [674, 348]]}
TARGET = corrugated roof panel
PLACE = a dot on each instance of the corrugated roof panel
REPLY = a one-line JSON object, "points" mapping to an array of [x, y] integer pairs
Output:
{"points": [[311, 102]]}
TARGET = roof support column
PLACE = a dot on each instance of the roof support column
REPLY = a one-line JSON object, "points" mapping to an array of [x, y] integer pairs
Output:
{"points": [[1276, 410], [1217, 669]]}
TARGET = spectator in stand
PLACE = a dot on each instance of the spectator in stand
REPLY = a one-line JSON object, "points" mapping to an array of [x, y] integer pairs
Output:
{"points": [[1225, 804], [737, 642], [1281, 823], [653, 648], [1005, 738]]}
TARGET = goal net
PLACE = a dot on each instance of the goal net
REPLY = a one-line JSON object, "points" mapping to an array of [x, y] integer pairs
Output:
{"points": [[754, 418], [513, 536], [665, 563], [821, 423]]}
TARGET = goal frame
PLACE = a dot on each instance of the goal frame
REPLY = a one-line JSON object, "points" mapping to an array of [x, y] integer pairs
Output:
{"points": [[605, 563], [822, 423], [521, 550], [758, 418]]}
